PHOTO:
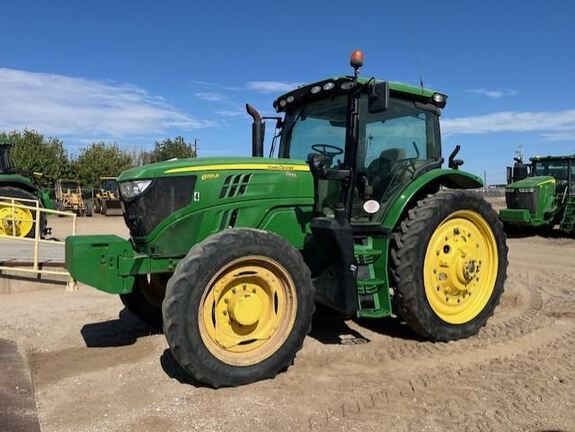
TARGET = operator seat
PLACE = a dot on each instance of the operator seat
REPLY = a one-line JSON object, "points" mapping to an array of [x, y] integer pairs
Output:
{"points": [[379, 171]]}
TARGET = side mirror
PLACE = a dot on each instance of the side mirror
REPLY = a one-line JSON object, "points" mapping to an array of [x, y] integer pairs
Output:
{"points": [[378, 98], [455, 163]]}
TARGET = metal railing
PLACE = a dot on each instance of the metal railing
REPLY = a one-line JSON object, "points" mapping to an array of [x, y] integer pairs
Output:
{"points": [[11, 221]]}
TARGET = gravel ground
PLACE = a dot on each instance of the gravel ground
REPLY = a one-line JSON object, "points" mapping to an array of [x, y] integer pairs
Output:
{"points": [[97, 368]]}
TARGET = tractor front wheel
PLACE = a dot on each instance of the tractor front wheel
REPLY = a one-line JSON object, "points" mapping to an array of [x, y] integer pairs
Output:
{"points": [[449, 261], [145, 300], [238, 307]]}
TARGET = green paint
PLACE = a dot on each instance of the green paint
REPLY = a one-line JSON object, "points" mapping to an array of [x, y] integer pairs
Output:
{"points": [[95, 261], [430, 181], [543, 200], [15, 179]]}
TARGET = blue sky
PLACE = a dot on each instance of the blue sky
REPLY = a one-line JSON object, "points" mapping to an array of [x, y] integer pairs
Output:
{"points": [[136, 71]]}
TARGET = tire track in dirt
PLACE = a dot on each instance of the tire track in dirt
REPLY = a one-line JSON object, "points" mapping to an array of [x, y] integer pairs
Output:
{"points": [[519, 322], [535, 315], [417, 380]]}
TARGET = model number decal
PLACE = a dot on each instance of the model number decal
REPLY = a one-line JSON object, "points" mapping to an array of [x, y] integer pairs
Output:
{"points": [[210, 176]]}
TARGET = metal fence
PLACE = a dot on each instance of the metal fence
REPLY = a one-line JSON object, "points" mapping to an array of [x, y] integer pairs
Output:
{"points": [[22, 211]]}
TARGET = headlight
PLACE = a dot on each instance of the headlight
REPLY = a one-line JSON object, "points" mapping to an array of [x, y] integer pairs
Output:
{"points": [[315, 89], [439, 99], [526, 190], [132, 189], [328, 85]]}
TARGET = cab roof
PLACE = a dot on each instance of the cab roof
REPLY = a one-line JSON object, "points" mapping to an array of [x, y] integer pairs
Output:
{"points": [[550, 158], [305, 91]]}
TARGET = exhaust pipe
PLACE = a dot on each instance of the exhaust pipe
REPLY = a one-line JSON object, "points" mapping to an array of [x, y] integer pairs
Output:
{"points": [[258, 131]]}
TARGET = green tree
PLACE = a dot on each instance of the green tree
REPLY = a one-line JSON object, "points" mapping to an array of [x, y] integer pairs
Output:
{"points": [[169, 149], [32, 152], [98, 160]]}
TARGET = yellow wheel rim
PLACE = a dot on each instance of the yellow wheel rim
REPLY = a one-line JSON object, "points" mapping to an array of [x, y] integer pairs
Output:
{"points": [[247, 311], [460, 268], [15, 221]]}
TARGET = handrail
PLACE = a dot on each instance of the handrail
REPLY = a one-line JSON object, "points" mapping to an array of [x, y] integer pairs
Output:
{"points": [[37, 211]]}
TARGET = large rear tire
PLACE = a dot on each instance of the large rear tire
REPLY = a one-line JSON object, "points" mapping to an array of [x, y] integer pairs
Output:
{"points": [[238, 307], [449, 261], [18, 221], [145, 300]]}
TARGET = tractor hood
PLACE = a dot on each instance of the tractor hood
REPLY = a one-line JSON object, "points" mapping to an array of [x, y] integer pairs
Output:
{"points": [[532, 182], [191, 165]]}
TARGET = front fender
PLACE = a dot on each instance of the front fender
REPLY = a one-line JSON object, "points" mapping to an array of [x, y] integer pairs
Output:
{"points": [[429, 182]]}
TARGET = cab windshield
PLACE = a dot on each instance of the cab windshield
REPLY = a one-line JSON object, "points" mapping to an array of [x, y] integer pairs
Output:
{"points": [[555, 168], [110, 185], [316, 124]]}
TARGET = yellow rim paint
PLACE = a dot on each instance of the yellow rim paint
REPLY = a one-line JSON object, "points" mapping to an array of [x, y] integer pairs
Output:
{"points": [[251, 166], [460, 268], [247, 311], [15, 221]]}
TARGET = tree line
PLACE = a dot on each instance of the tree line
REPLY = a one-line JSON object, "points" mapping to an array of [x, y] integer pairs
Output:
{"points": [[33, 152]]}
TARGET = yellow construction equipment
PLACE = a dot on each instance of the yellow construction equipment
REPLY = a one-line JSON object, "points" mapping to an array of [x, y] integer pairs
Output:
{"points": [[69, 198], [107, 199]]}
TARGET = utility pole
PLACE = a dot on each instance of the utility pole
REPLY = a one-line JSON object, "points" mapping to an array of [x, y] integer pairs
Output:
{"points": [[196, 141]]}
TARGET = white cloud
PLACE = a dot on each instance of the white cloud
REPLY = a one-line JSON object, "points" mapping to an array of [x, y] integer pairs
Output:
{"points": [[230, 113], [271, 86], [59, 105], [211, 96], [492, 93], [553, 125]]}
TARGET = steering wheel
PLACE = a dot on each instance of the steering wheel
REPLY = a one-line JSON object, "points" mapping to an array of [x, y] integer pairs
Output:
{"points": [[323, 149]]}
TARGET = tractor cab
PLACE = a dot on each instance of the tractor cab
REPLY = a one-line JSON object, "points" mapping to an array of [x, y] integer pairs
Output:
{"points": [[364, 140], [562, 169]]}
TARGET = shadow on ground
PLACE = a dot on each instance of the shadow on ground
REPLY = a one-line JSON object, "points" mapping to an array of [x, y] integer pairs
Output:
{"points": [[115, 333]]}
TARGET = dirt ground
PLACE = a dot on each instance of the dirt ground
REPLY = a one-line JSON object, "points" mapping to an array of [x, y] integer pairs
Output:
{"points": [[97, 368]]}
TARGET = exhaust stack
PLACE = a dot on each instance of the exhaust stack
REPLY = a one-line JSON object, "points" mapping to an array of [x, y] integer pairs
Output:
{"points": [[258, 131]]}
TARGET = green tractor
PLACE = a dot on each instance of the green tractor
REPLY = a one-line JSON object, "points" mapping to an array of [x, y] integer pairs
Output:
{"points": [[356, 213], [17, 221], [541, 195]]}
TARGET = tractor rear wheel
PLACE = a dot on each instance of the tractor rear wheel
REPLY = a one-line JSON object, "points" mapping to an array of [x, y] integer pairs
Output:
{"points": [[238, 307], [449, 261], [19, 222], [145, 300]]}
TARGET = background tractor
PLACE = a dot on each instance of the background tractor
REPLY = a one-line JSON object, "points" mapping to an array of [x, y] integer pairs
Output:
{"points": [[14, 221], [107, 198], [69, 198], [355, 212], [541, 195]]}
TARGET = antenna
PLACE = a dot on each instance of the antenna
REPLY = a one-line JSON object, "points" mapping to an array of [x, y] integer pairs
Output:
{"points": [[414, 49]]}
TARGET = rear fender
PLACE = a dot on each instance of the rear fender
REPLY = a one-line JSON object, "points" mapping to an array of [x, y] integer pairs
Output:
{"points": [[427, 183]]}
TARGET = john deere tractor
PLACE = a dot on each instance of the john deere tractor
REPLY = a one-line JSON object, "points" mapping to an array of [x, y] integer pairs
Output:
{"points": [[17, 221], [541, 195], [355, 212]]}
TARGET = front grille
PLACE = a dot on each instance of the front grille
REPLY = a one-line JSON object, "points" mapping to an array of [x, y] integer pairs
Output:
{"points": [[163, 197], [522, 200]]}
